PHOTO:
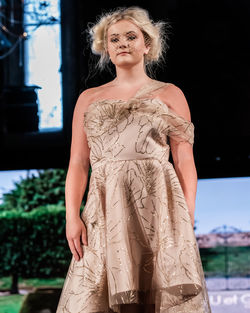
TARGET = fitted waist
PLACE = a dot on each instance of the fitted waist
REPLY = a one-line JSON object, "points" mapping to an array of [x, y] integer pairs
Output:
{"points": [[104, 161]]}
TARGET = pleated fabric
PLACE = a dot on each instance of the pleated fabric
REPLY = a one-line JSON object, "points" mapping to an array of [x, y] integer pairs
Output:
{"points": [[141, 244]]}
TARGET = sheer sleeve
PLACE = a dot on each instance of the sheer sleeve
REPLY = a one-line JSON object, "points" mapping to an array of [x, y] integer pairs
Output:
{"points": [[179, 128]]}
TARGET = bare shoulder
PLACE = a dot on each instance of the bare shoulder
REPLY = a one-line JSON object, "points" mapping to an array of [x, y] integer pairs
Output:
{"points": [[86, 97], [174, 97], [92, 94]]}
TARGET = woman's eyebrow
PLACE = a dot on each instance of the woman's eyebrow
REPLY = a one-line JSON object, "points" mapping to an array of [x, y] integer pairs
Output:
{"points": [[129, 32]]}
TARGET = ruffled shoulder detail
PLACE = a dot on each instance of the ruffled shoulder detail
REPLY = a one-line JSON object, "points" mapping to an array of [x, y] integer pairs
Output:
{"points": [[177, 127]]}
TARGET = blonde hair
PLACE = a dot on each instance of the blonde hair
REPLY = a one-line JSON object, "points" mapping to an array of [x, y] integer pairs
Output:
{"points": [[154, 33]]}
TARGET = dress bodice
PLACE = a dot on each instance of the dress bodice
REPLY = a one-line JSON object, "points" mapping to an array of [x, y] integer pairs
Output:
{"points": [[136, 128]]}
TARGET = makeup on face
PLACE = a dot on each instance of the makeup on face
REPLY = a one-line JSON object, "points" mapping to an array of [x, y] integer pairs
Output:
{"points": [[126, 40]]}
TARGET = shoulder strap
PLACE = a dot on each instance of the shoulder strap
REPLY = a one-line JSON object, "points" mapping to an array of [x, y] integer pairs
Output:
{"points": [[149, 88]]}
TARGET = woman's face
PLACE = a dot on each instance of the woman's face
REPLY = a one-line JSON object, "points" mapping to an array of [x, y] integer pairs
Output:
{"points": [[125, 43]]}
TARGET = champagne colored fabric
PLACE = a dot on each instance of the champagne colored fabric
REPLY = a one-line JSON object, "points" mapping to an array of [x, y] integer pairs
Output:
{"points": [[141, 244]]}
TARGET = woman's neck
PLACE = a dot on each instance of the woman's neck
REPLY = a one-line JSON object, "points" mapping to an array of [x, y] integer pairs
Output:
{"points": [[130, 76]]}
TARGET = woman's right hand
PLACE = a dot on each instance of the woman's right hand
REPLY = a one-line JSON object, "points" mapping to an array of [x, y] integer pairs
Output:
{"points": [[76, 234]]}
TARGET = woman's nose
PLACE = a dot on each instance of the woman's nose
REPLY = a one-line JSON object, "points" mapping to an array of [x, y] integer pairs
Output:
{"points": [[123, 43]]}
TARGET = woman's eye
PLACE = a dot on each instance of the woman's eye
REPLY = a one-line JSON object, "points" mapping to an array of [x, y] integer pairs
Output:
{"points": [[131, 37], [114, 39]]}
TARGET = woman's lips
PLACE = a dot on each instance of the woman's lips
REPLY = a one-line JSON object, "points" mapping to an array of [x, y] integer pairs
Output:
{"points": [[123, 53]]}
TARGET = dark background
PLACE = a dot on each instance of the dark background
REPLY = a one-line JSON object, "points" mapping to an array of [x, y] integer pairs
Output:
{"points": [[208, 59]]}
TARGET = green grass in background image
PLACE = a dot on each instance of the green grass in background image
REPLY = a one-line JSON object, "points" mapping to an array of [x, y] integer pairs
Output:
{"points": [[5, 282], [11, 304]]}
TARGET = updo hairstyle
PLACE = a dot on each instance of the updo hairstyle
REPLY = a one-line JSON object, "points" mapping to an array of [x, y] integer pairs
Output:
{"points": [[154, 33]]}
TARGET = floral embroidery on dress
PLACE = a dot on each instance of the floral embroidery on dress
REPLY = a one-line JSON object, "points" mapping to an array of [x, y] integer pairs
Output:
{"points": [[141, 244]]}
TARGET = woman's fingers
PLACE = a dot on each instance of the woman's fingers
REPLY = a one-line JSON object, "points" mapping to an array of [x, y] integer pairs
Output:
{"points": [[84, 237], [77, 237], [78, 247], [73, 249], [84, 240]]}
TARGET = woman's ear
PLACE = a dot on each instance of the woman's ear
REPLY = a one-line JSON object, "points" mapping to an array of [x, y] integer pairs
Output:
{"points": [[147, 50]]}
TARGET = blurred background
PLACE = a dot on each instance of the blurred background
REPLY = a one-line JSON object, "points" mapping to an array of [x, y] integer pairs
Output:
{"points": [[45, 63]]}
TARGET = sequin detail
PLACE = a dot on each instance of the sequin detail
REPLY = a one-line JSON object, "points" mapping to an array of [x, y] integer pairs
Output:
{"points": [[141, 244]]}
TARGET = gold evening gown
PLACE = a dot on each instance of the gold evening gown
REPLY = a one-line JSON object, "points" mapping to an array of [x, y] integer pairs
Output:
{"points": [[142, 247]]}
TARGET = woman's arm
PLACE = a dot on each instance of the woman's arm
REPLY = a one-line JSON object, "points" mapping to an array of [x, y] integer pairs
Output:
{"points": [[76, 179], [182, 151], [184, 164], [77, 175]]}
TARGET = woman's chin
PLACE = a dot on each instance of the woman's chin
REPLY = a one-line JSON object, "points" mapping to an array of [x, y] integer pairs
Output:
{"points": [[126, 64]]}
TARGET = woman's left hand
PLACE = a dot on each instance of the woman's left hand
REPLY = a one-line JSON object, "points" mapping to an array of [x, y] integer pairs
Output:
{"points": [[192, 220], [191, 213]]}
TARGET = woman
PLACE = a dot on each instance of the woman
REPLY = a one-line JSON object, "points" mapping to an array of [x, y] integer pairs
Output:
{"points": [[134, 248]]}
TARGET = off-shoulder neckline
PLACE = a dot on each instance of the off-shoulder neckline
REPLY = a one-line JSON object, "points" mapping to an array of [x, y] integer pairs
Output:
{"points": [[96, 102], [146, 88]]}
